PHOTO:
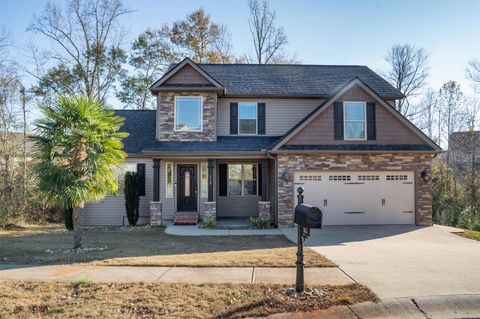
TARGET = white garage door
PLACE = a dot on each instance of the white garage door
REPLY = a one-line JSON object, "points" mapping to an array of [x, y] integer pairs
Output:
{"points": [[360, 198]]}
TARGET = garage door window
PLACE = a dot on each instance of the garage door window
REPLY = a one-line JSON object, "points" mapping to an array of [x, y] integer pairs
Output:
{"points": [[355, 117]]}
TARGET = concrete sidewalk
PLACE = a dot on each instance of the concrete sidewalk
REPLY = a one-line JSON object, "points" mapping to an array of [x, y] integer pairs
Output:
{"points": [[196, 230], [194, 275], [431, 307]]}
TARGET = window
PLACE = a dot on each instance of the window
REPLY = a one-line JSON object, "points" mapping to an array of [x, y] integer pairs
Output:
{"points": [[247, 118], [169, 180], [242, 179], [204, 180], [355, 117], [188, 114], [121, 171]]}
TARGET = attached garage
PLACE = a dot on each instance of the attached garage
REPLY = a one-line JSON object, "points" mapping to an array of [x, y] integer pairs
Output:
{"points": [[360, 198]]}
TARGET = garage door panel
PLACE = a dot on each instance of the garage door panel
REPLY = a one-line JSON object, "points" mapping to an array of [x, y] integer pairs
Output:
{"points": [[360, 198]]}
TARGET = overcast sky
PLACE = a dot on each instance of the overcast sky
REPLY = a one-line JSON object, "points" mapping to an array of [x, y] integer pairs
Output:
{"points": [[319, 32]]}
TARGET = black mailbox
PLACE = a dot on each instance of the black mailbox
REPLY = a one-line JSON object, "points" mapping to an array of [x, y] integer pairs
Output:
{"points": [[308, 216]]}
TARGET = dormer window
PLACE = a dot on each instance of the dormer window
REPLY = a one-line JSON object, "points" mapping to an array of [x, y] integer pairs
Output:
{"points": [[355, 120], [247, 118], [188, 113]]}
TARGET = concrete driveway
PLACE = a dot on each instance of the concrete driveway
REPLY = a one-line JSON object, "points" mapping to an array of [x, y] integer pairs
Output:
{"points": [[401, 261]]}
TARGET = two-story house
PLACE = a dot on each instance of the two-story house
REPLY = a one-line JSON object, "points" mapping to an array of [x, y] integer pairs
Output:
{"points": [[237, 140]]}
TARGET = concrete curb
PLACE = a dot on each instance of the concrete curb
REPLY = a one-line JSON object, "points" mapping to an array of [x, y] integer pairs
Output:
{"points": [[431, 307]]}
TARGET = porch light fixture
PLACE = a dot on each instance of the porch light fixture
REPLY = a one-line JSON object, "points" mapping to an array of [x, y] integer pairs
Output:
{"points": [[286, 175], [425, 176]]}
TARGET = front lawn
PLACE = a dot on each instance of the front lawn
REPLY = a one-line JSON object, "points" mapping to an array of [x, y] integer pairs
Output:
{"points": [[155, 300], [472, 234], [149, 247]]}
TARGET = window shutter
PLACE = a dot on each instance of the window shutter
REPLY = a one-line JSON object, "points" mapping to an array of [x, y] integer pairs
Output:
{"points": [[233, 118], [371, 125], [223, 179], [261, 118], [259, 178], [141, 178], [338, 120]]}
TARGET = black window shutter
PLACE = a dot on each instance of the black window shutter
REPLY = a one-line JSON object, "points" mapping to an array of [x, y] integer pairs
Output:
{"points": [[338, 120], [223, 179], [141, 179], [371, 126], [259, 177], [233, 118], [261, 118]]}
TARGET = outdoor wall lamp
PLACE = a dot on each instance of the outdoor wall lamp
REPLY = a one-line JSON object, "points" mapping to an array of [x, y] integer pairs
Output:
{"points": [[425, 176], [286, 175]]}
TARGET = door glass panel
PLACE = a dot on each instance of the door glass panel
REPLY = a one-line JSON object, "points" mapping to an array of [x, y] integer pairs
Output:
{"points": [[187, 184]]}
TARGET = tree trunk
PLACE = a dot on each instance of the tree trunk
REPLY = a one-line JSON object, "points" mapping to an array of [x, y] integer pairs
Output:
{"points": [[77, 226]]}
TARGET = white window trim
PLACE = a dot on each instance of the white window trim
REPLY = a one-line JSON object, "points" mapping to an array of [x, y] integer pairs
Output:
{"points": [[175, 113], [256, 118], [120, 173], [167, 195], [345, 122], [242, 180]]}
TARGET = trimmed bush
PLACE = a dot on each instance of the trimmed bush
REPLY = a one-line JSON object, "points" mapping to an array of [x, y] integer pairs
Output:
{"points": [[68, 213], [132, 198]]}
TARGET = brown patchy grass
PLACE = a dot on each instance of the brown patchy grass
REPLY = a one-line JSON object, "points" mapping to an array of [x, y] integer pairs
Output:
{"points": [[87, 300], [150, 247], [471, 234]]}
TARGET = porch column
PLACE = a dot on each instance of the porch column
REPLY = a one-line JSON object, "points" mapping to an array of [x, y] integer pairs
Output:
{"points": [[156, 180], [156, 204], [211, 166], [265, 180]]}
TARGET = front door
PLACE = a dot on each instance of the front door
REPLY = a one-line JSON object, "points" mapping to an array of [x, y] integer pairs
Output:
{"points": [[187, 188]]}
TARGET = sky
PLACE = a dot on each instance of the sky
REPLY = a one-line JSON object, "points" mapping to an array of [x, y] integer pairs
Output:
{"points": [[319, 32]]}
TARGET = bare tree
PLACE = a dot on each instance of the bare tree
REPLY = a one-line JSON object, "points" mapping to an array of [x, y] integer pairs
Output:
{"points": [[87, 46], [473, 71], [268, 39], [427, 113], [408, 72]]}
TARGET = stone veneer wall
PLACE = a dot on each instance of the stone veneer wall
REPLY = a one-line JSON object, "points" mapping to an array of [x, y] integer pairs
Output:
{"points": [[358, 162], [166, 107]]}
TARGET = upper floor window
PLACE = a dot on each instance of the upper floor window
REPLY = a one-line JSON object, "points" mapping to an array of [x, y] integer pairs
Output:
{"points": [[355, 120], [188, 113], [247, 118]]}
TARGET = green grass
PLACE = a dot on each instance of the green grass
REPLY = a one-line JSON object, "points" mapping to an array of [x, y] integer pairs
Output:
{"points": [[471, 234], [149, 247]]}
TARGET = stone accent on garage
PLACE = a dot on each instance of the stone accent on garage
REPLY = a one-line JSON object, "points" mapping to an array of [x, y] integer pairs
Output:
{"points": [[354, 162], [166, 118]]}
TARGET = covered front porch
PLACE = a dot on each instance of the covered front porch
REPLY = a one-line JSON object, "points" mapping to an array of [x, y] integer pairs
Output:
{"points": [[188, 190]]}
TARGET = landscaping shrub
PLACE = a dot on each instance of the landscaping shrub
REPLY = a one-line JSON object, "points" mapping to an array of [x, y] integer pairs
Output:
{"points": [[470, 218], [260, 222], [209, 222], [132, 197], [68, 217]]}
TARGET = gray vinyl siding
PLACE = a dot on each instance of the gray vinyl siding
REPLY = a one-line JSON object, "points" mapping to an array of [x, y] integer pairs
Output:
{"points": [[111, 210], [237, 206], [169, 204], [281, 114]]}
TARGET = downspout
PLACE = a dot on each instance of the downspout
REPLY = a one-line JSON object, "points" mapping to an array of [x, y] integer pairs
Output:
{"points": [[275, 181]]}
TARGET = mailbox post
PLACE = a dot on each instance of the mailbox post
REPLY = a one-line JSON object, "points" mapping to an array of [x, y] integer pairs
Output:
{"points": [[306, 217], [300, 281]]}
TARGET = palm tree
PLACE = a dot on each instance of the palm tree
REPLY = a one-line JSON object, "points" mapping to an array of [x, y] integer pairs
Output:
{"points": [[77, 152]]}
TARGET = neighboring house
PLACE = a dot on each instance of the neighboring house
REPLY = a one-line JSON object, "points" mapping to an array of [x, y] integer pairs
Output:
{"points": [[237, 140], [464, 148]]}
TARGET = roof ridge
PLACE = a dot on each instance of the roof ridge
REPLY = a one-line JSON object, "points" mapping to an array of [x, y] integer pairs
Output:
{"points": [[286, 64]]}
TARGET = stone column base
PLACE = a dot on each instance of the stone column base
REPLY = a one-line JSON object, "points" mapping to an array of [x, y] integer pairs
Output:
{"points": [[155, 213], [264, 210], [210, 210]]}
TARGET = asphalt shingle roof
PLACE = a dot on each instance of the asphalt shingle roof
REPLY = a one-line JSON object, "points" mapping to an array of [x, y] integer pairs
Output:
{"points": [[294, 80], [358, 147], [223, 144], [141, 127]]}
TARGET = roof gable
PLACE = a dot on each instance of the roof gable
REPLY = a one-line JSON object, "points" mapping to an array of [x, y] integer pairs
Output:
{"points": [[338, 95], [186, 74]]}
